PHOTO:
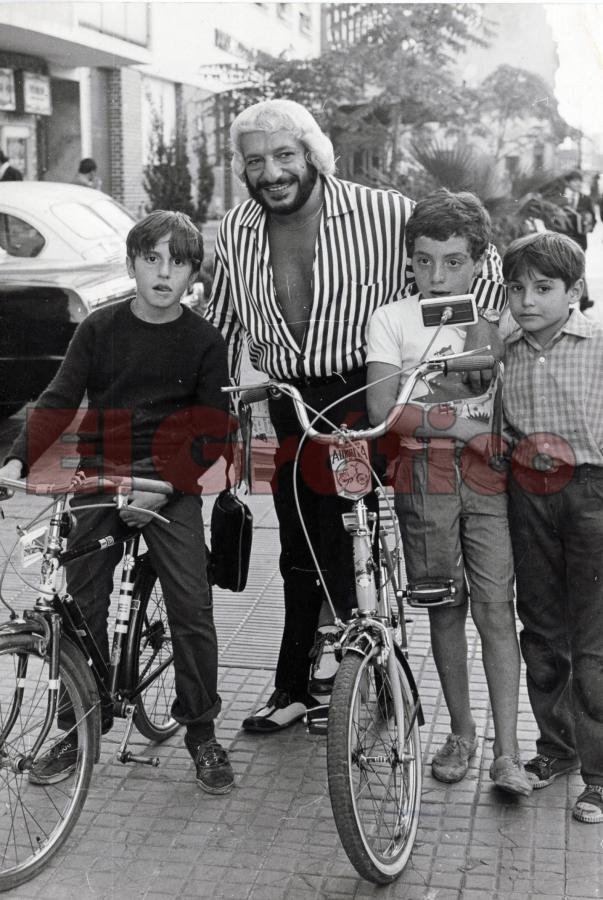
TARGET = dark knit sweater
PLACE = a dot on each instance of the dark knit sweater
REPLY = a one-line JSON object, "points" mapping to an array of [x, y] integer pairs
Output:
{"points": [[153, 393]]}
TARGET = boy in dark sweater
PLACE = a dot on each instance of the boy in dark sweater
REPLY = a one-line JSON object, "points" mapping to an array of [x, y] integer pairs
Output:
{"points": [[151, 370]]}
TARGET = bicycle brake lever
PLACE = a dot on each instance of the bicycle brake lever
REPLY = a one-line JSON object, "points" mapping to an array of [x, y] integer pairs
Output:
{"points": [[149, 512]]}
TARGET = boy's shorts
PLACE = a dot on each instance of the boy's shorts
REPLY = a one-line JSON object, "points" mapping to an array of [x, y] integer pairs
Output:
{"points": [[451, 529]]}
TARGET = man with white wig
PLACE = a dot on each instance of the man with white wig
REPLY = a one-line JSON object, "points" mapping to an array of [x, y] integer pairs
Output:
{"points": [[299, 269]]}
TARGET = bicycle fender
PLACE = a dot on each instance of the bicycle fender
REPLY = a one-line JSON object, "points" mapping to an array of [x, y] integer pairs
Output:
{"points": [[29, 627], [413, 685]]}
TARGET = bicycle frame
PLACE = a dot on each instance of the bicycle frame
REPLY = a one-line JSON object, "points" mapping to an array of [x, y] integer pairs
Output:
{"points": [[53, 613]]}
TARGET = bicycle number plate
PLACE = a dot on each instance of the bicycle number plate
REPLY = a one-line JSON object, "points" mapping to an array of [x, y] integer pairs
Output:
{"points": [[351, 465], [32, 545]]}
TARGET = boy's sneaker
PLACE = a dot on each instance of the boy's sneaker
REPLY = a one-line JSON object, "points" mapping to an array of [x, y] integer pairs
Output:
{"points": [[277, 713], [542, 770], [451, 762], [508, 774], [214, 772], [325, 665], [56, 764], [589, 805]]}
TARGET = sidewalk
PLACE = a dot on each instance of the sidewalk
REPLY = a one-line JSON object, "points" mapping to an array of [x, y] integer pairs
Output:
{"points": [[151, 833]]}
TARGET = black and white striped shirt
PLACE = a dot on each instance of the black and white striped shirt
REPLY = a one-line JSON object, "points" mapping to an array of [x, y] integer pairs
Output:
{"points": [[360, 264]]}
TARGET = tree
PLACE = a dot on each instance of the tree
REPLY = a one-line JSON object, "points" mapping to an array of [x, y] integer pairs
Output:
{"points": [[166, 177], [205, 180], [511, 105]]}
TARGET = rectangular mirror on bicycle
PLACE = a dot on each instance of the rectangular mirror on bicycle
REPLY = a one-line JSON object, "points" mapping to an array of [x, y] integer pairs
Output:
{"points": [[431, 593], [460, 309]]}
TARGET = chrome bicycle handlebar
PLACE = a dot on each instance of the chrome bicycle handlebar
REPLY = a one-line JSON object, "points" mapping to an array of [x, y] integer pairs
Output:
{"points": [[123, 484], [458, 362]]}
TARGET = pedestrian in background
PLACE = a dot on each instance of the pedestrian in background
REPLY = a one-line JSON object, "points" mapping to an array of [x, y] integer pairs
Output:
{"points": [[87, 174], [8, 172]]}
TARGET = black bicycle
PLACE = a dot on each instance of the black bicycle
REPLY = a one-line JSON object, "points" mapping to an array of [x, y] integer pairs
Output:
{"points": [[47, 658]]}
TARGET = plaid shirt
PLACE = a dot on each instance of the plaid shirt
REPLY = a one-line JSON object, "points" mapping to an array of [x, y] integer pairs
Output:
{"points": [[360, 264], [553, 397]]}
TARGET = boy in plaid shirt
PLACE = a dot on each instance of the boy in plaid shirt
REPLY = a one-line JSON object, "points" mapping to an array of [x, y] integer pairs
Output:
{"points": [[554, 405]]}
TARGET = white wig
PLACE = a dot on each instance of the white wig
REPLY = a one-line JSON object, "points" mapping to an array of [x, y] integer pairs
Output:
{"points": [[285, 115]]}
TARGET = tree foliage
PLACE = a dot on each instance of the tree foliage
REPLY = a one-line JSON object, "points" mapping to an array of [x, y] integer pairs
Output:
{"points": [[205, 180], [167, 177], [512, 104], [398, 74]]}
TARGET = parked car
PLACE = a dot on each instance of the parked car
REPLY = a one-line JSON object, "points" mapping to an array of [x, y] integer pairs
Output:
{"points": [[62, 254], [50, 221]]}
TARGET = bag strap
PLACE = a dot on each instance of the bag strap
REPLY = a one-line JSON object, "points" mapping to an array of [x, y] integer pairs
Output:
{"points": [[244, 479]]}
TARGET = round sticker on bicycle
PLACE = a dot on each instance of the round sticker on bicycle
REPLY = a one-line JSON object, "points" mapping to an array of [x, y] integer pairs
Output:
{"points": [[350, 462]]}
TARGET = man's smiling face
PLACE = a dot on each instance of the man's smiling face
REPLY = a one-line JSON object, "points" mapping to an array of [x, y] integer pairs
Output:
{"points": [[276, 171]]}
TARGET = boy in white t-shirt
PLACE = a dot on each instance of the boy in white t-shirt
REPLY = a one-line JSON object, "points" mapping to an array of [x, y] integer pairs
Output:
{"points": [[452, 507]]}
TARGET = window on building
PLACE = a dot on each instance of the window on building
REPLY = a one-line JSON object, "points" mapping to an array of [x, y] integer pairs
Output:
{"points": [[19, 238], [128, 21], [305, 23]]}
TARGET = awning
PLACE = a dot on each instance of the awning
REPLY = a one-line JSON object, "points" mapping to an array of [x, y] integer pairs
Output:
{"points": [[70, 47]]}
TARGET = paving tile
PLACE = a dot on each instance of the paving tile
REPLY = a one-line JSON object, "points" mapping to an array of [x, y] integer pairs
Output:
{"points": [[153, 834]]}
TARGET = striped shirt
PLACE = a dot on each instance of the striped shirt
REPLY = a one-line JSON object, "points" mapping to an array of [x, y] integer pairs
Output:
{"points": [[553, 397], [360, 264]]}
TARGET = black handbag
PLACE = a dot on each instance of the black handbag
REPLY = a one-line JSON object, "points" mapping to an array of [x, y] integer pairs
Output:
{"points": [[231, 529], [231, 532]]}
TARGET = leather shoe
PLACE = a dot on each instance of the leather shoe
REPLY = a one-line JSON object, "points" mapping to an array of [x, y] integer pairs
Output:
{"points": [[278, 712]]}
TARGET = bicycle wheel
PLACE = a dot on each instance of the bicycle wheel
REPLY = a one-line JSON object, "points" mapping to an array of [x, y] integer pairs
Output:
{"points": [[36, 819], [151, 660], [375, 795]]}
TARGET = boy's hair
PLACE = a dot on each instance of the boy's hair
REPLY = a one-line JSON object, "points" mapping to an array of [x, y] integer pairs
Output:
{"points": [[87, 165], [286, 115], [443, 214], [574, 175], [548, 252], [186, 241]]}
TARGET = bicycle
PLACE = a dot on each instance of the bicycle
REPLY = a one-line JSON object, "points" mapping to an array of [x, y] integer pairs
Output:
{"points": [[46, 662], [374, 766]]}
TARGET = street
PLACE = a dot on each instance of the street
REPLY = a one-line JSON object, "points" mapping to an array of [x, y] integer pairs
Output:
{"points": [[151, 833]]}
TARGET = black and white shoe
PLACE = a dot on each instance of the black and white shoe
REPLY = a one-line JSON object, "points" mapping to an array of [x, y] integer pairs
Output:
{"points": [[278, 712]]}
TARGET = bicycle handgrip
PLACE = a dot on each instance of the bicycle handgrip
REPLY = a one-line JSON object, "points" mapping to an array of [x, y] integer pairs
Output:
{"points": [[151, 485], [254, 394], [470, 363]]}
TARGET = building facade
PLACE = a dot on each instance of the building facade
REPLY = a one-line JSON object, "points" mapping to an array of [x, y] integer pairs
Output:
{"points": [[86, 79]]}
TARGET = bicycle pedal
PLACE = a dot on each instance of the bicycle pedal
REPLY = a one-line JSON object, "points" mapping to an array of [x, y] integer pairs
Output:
{"points": [[317, 719], [135, 758]]}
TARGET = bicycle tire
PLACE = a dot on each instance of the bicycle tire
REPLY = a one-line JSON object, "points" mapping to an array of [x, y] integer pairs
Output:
{"points": [[150, 648], [35, 820], [375, 797]]}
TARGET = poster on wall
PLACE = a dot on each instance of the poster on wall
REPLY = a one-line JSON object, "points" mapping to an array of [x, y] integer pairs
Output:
{"points": [[36, 94], [8, 100]]}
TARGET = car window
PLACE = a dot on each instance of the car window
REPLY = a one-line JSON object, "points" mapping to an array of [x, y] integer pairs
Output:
{"points": [[118, 218], [82, 220], [19, 238]]}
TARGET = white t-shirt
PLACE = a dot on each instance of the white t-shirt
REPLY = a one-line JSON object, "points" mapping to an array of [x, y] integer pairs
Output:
{"points": [[397, 335]]}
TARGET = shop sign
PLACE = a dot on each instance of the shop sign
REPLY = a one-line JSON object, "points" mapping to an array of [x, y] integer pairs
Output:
{"points": [[7, 89], [36, 94]]}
